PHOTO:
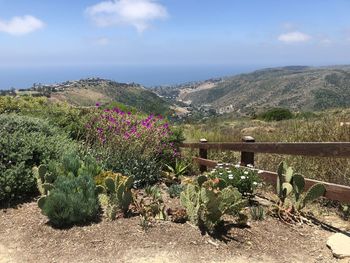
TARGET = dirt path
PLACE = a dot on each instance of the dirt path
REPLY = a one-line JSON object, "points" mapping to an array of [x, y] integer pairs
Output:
{"points": [[25, 236]]}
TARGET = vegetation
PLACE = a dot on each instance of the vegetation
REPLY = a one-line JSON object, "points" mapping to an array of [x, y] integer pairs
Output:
{"points": [[119, 194], [324, 127], [205, 206], [26, 142], [131, 144], [276, 114], [289, 188], [293, 88], [72, 200]]}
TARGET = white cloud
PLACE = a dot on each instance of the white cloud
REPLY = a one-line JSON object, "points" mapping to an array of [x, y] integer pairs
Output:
{"points": [[294, 37], [102, 41], [138, 13], [21, 25]]}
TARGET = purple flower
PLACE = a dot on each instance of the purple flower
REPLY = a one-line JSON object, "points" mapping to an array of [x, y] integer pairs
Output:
{"points": [[97, 104]]}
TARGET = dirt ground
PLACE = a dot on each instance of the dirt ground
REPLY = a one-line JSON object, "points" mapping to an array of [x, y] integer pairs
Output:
{"points": [[25, 236]]}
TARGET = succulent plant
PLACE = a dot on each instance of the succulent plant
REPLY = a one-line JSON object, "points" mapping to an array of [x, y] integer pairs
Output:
{"points": [[119, 194], [44, 179], [293, 184], [206, 206]]}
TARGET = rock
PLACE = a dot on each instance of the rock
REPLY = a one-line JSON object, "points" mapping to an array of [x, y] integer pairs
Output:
{"points": [[340, 245]]}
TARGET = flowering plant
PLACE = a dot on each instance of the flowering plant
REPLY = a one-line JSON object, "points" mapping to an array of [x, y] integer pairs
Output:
{"points": [[131, 144], [244, 179]]}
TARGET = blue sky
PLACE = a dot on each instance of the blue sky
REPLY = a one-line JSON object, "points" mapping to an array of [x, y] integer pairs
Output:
{"points": [[43, 33]]}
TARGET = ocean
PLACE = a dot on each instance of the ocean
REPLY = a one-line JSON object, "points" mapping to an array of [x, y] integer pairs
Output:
{"points": [[145, 75]]}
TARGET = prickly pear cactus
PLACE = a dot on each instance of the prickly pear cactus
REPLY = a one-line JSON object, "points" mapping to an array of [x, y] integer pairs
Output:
{"points": [[119, 194], [190, 199], [205, 207], [316, 191], [290, 183], [44, 179]]}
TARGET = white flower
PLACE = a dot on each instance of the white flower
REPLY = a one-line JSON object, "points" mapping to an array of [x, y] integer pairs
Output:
{"points": [[227, 168], [230, 176], [255, 183], [250, 165], [243, 177], [246, 172], [237, 165], [220, 173], [220, 164]]}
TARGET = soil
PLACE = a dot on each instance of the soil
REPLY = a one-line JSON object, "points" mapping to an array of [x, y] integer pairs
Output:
{"points": [[26, 236]]}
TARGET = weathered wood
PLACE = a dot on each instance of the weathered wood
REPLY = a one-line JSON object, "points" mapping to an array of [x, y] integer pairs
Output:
{"points": [[316, 149], [247, 157], [333, 191], [205, 162], [203, 153]]}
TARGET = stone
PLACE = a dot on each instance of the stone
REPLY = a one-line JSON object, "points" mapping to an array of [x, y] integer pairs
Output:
{"points": [[340, 245]]}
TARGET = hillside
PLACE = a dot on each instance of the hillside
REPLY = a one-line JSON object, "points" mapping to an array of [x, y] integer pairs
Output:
{"points": [[295, 87], [88, 92]]}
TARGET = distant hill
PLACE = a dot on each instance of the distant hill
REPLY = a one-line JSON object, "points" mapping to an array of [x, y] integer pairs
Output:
{"points": [[87, 92], [294, 87]]}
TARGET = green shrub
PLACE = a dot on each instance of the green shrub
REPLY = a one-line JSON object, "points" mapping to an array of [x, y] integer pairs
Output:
{"points": [[244, 179], [62, 115], [73, 200], [26, 142], [276, 114]]}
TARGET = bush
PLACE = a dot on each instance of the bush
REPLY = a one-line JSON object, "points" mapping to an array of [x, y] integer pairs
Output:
{"points": [[73, 200], [276, 114], [132, 145], [245, 180], [26, 142], [62, 115]]}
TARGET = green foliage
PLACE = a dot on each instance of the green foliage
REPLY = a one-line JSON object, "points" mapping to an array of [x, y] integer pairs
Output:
{"points": [[118, 190], [64, 116], [291, 184], [175, 171], [205, 206], [26, 142], [276, 114], [72, 200], [175, 190], [244, 179], [150, 206], [257, 213], [44, 179], [131, 144]]}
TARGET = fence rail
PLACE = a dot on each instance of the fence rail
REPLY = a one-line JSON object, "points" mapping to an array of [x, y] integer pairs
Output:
{"points": [[248, 147]]}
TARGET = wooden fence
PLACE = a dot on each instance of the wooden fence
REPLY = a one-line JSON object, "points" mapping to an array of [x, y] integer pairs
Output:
{"points": [[248, 147]]}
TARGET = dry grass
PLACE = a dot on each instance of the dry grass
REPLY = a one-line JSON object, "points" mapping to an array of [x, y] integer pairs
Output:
{"points": [[325, 128]]}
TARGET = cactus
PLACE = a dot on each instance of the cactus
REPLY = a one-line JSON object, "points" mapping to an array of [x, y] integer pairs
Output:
{"points": [[44, 179], [316, 191], [119, 194], [190, 199], [205, 207], [293, 184]]}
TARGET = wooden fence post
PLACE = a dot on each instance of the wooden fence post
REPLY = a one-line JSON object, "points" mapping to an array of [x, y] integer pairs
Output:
{"points": [[247, 157], [203, 153]]}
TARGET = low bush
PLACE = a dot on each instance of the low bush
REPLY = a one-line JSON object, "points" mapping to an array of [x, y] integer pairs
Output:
{"points": [[244, 179], [73, 200], [26, 142], [132, 144], [276, 114]]}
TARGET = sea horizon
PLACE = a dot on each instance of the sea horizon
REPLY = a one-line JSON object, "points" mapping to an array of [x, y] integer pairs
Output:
{"points": [[148, 76]]}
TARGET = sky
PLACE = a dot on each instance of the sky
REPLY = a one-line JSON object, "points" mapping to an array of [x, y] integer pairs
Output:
{"points": [[167, 33]]}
